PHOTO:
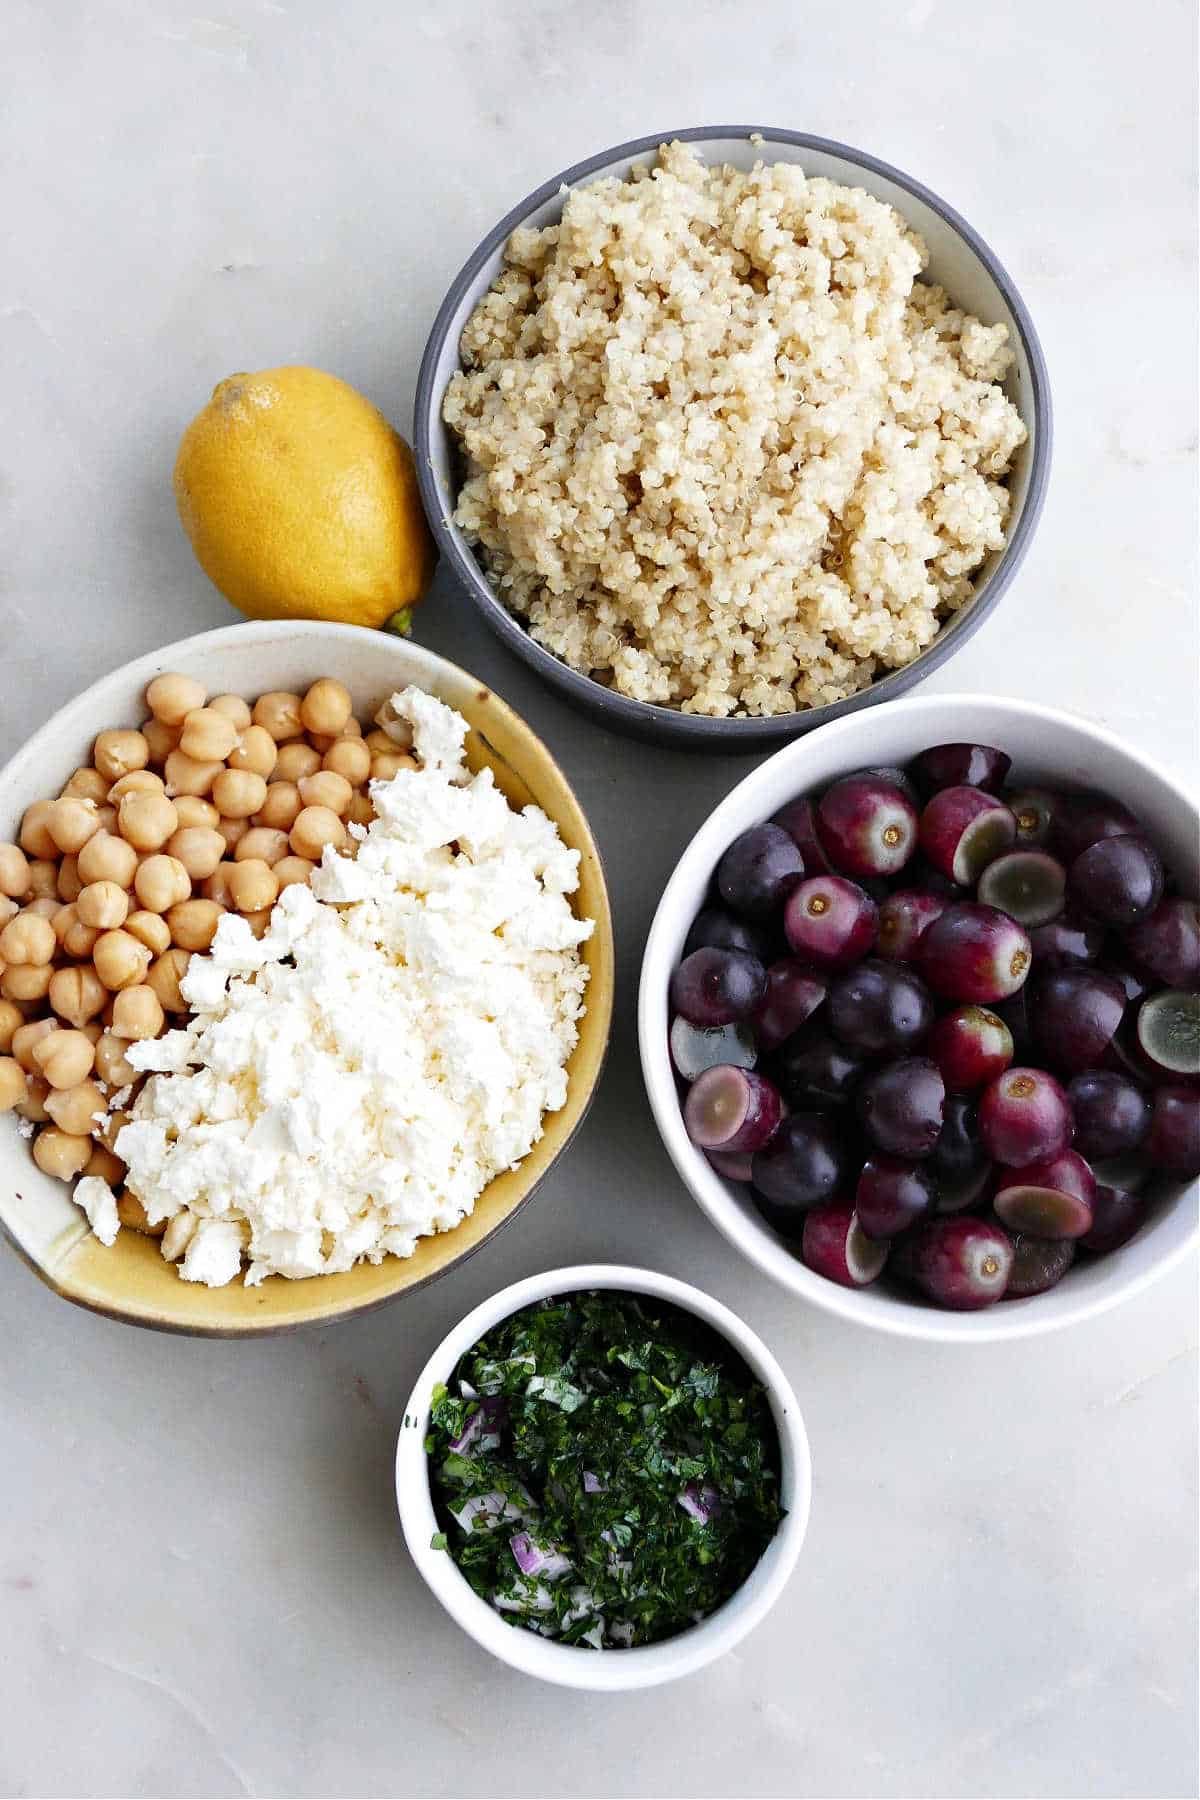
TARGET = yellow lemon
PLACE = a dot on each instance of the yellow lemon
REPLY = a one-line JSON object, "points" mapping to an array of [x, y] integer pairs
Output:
{"points": [[301, 502]]}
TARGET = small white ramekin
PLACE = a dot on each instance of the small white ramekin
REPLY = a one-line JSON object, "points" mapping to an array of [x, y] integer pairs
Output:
{"points": [[575, 1666], [1048, 747]]}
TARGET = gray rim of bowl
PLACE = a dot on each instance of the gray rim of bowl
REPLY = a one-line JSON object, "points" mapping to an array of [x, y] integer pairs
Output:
{"points": [[617, 709]]}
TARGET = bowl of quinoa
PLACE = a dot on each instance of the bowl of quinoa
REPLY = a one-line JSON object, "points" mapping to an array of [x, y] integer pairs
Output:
{"points": [[730, 431]]}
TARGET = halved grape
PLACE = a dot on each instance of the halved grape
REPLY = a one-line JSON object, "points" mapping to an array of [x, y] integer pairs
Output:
{"points": [[1116, 1215], [961, 1263], [830, 921], [879, 1006], [759, 871], [963, 830], [1035, 810], [1024, 1116], [1174, 1140], [1082, 819], [1168, 1031], [1050, 1199], [734, 1165], [1166, 943], [695, 1048], [1112, 1115], [892, 1194], [901, 1106], [1118, 880], [815, 1072], [867, 826], [1065, 941], [961, 765], [971, 1046], [834, 1244], [731, 1109], [717, 987], [903, 916], [799, 819], [1074, 1015], [793, 994], [1038, 1264], [801, 1167], [897, 778], [974, 953], [715, 929], [1029, 885]]}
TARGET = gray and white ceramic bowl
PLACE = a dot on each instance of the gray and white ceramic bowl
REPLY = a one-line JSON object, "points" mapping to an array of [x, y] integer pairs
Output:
{"points": [[959, 260]]}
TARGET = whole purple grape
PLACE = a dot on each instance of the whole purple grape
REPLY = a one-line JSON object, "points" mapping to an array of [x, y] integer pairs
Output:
{"points": [[879, 1007], [815, 1073], [759, 871], [901, 1106], [1118, 880], [962, 1263], [1074, 1015], [1166, 944], [1174, 1140], [717, 987], [868, 826], [802, 1166], [1111, 1114], [715, 929]]}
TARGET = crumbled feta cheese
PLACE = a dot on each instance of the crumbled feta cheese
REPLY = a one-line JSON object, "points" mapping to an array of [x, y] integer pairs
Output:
{"points": [[351, 1081], [100, 1204]]}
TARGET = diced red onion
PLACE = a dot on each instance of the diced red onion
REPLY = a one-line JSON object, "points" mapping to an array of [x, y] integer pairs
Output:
{"points": [[592, 1484], [531, 1559], [701, 1503], [485, 1425]]}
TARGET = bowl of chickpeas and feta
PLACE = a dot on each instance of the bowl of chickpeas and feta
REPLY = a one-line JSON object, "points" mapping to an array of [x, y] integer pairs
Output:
{"points": [[197, 785]]}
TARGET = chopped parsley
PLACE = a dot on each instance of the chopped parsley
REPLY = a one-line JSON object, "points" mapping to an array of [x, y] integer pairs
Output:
{"points": [[605, 1469]]}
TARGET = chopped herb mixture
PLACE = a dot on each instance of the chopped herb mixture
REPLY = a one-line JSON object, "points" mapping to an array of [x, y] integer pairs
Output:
{"points": [[605, 1469]]}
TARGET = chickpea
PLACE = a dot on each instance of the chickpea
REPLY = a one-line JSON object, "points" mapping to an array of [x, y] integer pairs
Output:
{"points": [[134, 1217], [253, 885], [255, 752], [190, 809], [117, 752], [316, 827], [326, 789], [350, 758], [281, 808], [43, 907], [161, 882], [258, 922], [111, 1064], [29, 938], [234, 707], [26, 982], [87, 784], [161, 738], [14, 1083], [147, 820], [279, 713], [71, 822], [216, 887], [33, 1106], [75, 1108], [208, 735], [380, 740], [106, 857], [238, 792], [326, 706], [63, 1154], [361, 812], [295, 761], [198, 848], [137, 1013], [184, 775], [103, 904], [69, 885], [194, 923], [78, 939], [138, 781], [11, 1021], [320, 741], [8, 909], [165, 975], [77, 995], [43, 879], [151, 929], [262, 844], [106, 1165], [35, 837], [172, 697], [233, 831], [65, 1058], [387, 763], [120, 960], [14, 871]]}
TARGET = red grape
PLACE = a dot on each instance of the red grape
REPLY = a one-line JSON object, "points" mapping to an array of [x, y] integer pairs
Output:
{"points": [[961, 1263], [793, 994], [963, 830], [974, 953], [961, 765], [717, 987], [867, 826], [731, 1109], [892, 1195], [830, 921], [834, 1244], [1049, 1199], [971, 1046], [879, 1007], [903, 916], [901, 1106], [1118, 880], [1024, 1116], [759, 871]]}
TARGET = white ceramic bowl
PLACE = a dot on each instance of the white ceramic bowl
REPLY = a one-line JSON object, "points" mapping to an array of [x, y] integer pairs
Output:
{"points": [[570, 1665], [1045, 745]]}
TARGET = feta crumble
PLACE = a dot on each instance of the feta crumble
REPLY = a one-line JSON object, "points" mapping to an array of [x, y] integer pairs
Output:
{"points": [[350, 1082]]}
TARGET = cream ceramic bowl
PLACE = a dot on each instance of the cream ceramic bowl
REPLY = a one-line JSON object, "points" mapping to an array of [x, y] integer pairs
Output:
{"points": [[1046, 745], [579, 1666], [131, 1281]]}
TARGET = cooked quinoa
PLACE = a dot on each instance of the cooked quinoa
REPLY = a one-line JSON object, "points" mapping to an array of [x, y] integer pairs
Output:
{"points": [[723, 450]]}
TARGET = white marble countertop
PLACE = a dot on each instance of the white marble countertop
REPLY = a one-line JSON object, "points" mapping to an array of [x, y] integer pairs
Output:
{"points": [[203, 1590]]}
